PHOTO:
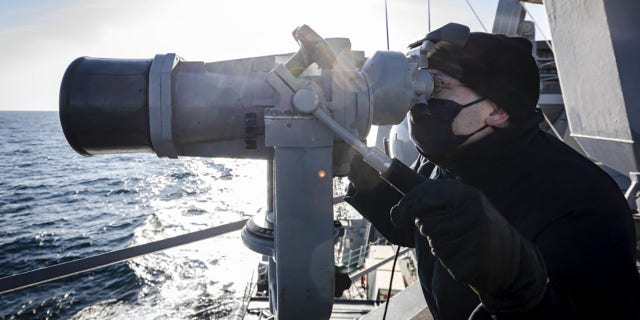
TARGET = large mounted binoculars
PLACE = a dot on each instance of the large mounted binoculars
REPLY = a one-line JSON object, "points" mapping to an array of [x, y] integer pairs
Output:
{"points": [[307, 112], [223, 109]]}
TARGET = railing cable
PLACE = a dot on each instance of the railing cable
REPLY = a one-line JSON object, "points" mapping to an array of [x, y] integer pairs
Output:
{"points": [[361, 273], [62, 270], [546, 39], [476, 14]]}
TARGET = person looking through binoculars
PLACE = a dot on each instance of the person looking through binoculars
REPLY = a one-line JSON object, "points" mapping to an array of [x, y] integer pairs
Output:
{"points": [[512, 223]]}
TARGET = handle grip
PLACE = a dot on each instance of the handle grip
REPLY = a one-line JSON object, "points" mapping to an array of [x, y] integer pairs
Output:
{"points": [[402, 177], [313, 48]]}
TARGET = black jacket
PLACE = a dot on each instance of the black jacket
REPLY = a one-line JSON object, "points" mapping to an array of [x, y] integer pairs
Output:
{"points": [[563, 203]]}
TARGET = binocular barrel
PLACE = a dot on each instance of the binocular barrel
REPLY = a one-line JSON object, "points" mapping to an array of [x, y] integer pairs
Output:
{"points": [[190, 108], [165, 105]]}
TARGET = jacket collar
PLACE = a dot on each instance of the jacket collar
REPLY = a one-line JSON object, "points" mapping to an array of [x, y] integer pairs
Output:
{"points": [[477, 162]]}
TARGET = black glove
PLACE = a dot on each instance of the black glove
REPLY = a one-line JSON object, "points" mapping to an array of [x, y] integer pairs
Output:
{"points": [[343, 282], [362, 176], [475, 243], [373, 197]]}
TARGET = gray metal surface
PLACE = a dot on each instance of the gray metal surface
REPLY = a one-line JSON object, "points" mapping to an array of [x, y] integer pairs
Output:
{"points": [[400, 145], [409, 304], [596, 46], [304, 232], [160, 113], [209, 109], [508, 17], [342, 309], [390, 78], [198, 109], [374, 157], [632, 193]]}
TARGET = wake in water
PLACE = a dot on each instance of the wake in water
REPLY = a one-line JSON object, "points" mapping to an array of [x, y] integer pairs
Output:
{"points": [[206, 278]]}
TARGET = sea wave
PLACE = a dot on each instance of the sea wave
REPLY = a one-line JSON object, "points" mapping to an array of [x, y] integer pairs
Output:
{"points": [[57, 206]]}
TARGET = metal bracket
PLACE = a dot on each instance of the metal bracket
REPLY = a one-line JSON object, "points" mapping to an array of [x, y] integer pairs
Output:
{"points": [[633, 192], [160, 104]]}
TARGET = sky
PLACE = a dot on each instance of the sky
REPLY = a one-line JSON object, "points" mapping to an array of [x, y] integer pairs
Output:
{"points": [[40, 38]]}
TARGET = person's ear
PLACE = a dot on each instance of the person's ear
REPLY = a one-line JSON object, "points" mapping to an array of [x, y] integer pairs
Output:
{"points": [[497, 118]]}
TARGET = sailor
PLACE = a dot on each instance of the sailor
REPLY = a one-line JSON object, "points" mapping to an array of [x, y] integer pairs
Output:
{"points": [[512, 223]]}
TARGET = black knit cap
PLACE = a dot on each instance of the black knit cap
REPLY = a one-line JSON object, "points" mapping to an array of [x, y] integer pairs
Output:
{"points": [[497, 67]]}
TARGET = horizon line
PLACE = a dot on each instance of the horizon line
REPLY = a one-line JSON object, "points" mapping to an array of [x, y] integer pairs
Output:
{"points": [[29, 110]]}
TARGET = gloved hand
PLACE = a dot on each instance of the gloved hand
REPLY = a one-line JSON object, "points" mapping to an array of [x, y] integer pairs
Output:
{"points": [[475, 243], [342, 281], [362, 176], [373, 197]]}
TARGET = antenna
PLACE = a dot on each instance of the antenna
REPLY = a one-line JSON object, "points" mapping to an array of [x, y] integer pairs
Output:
{"points": [[386, 20], [429, 15]]}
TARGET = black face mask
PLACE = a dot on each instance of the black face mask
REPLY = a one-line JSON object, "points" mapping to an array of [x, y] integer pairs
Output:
{"points": [[430, 127]]}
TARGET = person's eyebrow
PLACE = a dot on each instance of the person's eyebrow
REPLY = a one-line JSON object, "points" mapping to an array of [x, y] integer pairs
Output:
{"points": [[439, 83]]}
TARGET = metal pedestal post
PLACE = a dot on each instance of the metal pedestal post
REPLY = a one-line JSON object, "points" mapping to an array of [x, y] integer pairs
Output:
{"points": [[303, 189]]}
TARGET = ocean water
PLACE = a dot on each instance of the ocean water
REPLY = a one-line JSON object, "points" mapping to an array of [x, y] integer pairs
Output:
{"points": [[57, 206]]}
